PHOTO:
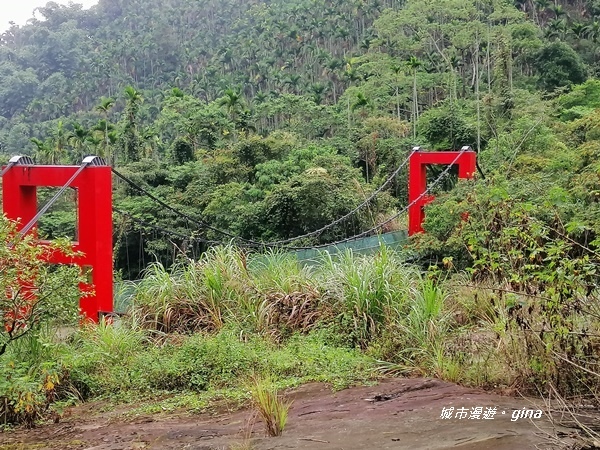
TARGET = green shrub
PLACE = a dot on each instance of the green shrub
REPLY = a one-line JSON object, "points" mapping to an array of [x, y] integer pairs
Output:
{"points": [[200, 363], [26, 393]]}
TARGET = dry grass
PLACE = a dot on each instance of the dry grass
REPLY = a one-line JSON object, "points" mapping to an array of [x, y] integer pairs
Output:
{"points": [[246, 442], [273, 294], [567, 416]]}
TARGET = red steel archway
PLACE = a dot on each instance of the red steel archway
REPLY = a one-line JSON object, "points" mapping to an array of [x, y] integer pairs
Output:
{"points": [[417, 179], [94, 211]]}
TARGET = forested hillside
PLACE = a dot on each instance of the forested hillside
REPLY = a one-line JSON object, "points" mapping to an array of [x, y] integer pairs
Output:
{"points": [[270, 119]]}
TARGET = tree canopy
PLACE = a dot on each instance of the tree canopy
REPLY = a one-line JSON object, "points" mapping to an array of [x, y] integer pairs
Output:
{"points": [[270, 119]]}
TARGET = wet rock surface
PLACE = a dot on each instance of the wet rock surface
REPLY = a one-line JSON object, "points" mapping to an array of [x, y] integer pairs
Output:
{"points": [[395, 414]]}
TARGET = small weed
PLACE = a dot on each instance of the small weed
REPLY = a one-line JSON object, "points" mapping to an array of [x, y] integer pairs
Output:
{"points": [[271, 407], [21, 446], [246, 442], [243, 445]]}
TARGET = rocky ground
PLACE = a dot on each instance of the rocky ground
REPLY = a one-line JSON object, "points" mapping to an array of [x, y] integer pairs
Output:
{"points": [[396, 414]]}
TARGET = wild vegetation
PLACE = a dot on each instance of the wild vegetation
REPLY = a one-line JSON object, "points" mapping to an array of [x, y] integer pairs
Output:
{"points": [[269, 120], [209, 329]]}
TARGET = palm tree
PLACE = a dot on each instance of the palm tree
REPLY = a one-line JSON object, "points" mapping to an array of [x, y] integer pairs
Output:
{"points": [[318, 89], [105, 105], [293, 81], [232, 101], [77, 139], [413, 64], [150, 141], [133, 100], [351, 75], [331, 70], [103, 127], [592, 31], [94, 142], [43, 150], [578, 30], [260, 97], [558, 11], [59, 140], [557, 28], [363, 103], [397, 70], [104, 108], [541, 6]]}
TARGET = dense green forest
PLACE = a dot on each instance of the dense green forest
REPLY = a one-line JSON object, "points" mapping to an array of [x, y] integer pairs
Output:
{"points": [[270, 119]]}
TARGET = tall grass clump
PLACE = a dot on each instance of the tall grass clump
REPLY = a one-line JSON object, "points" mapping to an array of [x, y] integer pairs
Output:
{"points": [[274, 295], [97, 357], [193, 295], [417, 340], [286, 296], [426, 320], [369, 291], [425, 331], [157, 302], [271, 294], [219, 281], [270, 405]]}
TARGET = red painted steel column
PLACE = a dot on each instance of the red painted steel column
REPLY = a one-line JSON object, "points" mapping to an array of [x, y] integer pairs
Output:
{"points": [[95, 238], [467, 165], [417, 180], [20, 205], [19, 201], [417, 184]]}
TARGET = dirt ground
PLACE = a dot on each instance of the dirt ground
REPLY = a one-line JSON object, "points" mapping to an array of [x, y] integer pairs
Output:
{"points": [[395, 414]]}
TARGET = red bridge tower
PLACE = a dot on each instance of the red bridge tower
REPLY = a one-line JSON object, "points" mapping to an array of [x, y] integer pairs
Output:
{"points": [[93, 184], [465, 159]]}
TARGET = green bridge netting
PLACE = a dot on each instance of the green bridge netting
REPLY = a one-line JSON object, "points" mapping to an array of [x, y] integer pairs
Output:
{"points": [[363, 246]]}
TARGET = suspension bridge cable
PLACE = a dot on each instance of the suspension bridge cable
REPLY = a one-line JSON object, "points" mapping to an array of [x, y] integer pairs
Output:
{"points": [[201, 223], [395, 216], [166, 231], [7, 168], [47, 206], [251, 243], [23, 160], [345, 216], [272, 243]]}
